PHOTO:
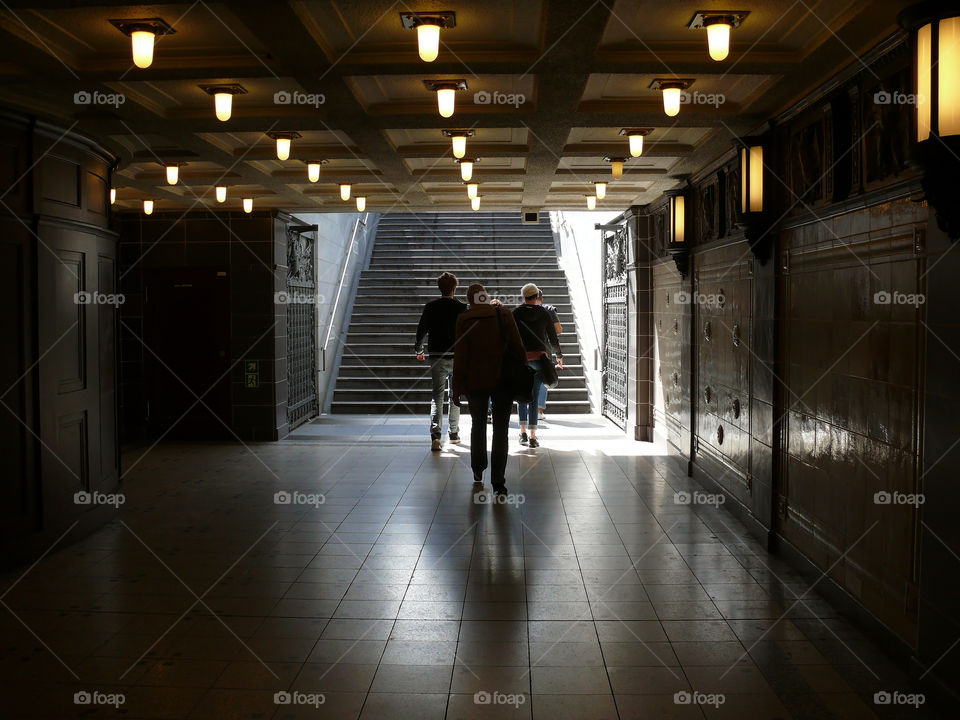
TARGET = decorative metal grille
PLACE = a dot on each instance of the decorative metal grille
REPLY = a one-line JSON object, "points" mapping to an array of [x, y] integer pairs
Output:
{"points": [[301, 329], [615, 347]]}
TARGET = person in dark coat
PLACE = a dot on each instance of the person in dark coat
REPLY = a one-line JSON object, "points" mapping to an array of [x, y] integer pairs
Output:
{"points": [[484, 334]]}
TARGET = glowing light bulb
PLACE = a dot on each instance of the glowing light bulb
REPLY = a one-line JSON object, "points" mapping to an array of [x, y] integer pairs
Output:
{"points": [[113, 195], [671, 101], [361, 203], [223, 105], [428, 41], [616, 166], [601, 190], [591, 202], [173, 174], [445, 101], [148, 207], [718, 40], [142, 44], [459, 146], [345, 191], [472, 190], [313, 171], [221, 193], [636, 141], [475, 202], [248, 205], [283, 148], [466, 170]]}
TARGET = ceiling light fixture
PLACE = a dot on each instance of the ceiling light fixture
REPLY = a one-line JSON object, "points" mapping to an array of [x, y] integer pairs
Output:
{"points": [[459, 138], [446, 91], [591, 202], [223, 98], [173, 173], [284, 140], [344, 191], [475, 202], [248, 205], [221, 193], [601, 188], [672, 89], [718, 24], [361, 203], [472, 190], [428, 26], [313, 169], [148, 207], [616, 166], [635, 137], [142, 33], [466, 168]]}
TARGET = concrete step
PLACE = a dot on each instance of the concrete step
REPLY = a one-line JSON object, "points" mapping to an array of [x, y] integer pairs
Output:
{"points": [[417, 369], [352, 357], [421, 382]]}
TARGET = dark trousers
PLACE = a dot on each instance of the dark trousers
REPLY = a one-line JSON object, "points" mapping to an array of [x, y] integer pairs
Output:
{"points": [[502, 404]]}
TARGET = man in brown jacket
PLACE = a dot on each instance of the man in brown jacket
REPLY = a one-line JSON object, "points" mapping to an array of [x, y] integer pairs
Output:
{"points": [[478, 355]]}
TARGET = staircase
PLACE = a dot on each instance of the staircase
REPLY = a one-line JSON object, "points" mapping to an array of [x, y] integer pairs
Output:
{"points": [[378, 371]]}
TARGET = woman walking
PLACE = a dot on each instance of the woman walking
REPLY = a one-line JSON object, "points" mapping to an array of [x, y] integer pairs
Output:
{"points": [[539, 336]]}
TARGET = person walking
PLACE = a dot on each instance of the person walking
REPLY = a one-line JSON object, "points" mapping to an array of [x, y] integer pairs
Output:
{"points": [[485, 333], [438, 324], [539, 336], [552, 310]]}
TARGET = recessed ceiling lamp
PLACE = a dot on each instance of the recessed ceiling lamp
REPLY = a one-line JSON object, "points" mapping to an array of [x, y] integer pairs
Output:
{"points": [[142, 33], [446, 91], [344, 191], [601, 188], [475, 202], [672, 89], [284, 140], [459, 138], [616, 166], [148, 207], [113, 195], [313, 169], [466, 168], [221, 193], [718, 23], [472, 189], [428, 27], [361, 203], [248, 205], [635, 137], [591, 202], [223, 98]]}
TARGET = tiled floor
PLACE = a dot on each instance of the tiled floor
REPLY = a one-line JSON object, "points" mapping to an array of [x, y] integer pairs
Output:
{"points": [[401, 596]]}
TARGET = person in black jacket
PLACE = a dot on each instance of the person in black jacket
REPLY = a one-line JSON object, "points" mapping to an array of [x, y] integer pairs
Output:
{"points": [[539, 336], [438, 323]]}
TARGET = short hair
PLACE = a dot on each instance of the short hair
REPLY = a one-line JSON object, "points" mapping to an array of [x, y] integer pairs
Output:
{"points": [[447, 282], [477, 295], [529, 291]]}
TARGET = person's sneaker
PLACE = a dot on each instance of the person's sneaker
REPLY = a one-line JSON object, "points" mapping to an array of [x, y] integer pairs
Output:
{"points": [[523, 438], [478, 478], [454, 438], [436, 445], [534, 443], [542, 414]]}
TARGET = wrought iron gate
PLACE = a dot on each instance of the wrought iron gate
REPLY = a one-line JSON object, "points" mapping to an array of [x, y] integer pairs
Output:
{"points": [[615, 349], [301, 299]]}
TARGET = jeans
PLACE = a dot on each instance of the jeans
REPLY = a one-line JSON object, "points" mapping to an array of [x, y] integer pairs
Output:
{"points": [[543, 397], [441, 369], [502, 404], [528, 411]]}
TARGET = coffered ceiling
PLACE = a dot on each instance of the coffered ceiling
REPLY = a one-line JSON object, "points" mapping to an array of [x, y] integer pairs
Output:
{"points": [[549, 87]]}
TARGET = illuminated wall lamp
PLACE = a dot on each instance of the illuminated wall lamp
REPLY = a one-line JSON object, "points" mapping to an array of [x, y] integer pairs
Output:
{"points": [[635, 137], [678, 245], [459, 139], [935, 37], [754, 218], [284, 140], [223, 98], [446, 91], [143, 34], [672, 89], [616, 166], [466, 168], [428, 27], [113, 195], [718, 24], [313, 169], [344, 191]]}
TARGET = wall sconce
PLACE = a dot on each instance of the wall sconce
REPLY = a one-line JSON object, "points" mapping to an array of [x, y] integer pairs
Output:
{"points": [[677, 243], [446, 91], [472, 190], [221, 193], [142, 33], [313, 169], [113, 195], [635, 136], [428, 26], [754, 218], [284, 140], [935, 35], [591, 202], [344, 191], [466, 168], [248, 205], [361, 203], [475, 202], [672, 89], [223, 98], [616, 166], [601, 189], [459, 138], [148, 207], [718, 26]]}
